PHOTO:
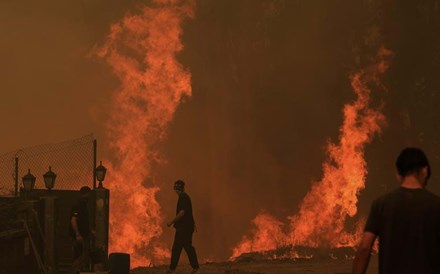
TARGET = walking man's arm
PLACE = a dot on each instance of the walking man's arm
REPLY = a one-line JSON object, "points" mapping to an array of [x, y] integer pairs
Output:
{"points": [[177, 218], [363, 253], [74, 224]]}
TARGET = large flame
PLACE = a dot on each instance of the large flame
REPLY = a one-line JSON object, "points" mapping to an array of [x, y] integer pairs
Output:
{"points": [[142, 50], [323, 213]]}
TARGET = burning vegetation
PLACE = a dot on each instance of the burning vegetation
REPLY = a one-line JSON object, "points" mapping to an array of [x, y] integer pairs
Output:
{"points": [[142, 50], [321, 220]]}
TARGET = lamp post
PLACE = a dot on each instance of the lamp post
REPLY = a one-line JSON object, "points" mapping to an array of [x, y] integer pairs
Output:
{"points": [[49, 220], [49, 179], [102, 198], [100, 172], [28, 181]]}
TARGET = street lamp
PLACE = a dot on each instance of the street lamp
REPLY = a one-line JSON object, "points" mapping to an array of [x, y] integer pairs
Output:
{"points": [[28, 181], [100, 173], [49, 178]]}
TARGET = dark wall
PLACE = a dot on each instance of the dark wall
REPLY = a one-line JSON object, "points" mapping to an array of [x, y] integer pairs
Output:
{"points": [[65, 199], [16, 255]]}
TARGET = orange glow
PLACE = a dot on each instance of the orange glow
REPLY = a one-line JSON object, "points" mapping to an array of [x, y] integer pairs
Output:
{"points": [[321, 220], [141, 49]]}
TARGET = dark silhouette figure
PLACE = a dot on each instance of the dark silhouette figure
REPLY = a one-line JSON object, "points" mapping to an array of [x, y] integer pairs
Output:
{"points": [[184, 225], [80, 232], [406, 221]]}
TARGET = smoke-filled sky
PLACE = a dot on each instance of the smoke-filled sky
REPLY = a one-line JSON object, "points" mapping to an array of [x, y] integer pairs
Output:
{"points": [[269, 80]]}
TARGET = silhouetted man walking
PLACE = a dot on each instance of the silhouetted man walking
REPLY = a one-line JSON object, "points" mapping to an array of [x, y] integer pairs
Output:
{"points": [[407, 222], [184, 224]]}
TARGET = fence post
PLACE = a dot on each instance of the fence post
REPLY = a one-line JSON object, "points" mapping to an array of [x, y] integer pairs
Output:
{"points": [[49, 233], [95, 148], [16, 176], [102, 197]]}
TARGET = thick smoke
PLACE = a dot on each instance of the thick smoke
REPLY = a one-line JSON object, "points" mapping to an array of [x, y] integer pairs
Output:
{"points": [[268, 80]]}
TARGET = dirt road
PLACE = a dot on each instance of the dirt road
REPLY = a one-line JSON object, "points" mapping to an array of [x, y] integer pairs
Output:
{"points": [[275, 267]]}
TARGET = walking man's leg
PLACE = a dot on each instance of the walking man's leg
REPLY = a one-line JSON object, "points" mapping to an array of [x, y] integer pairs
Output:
{"points": [[190, 250], [78, 258], [86, 254], [177, 249]]}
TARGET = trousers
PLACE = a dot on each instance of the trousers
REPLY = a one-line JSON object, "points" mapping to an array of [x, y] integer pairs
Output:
{"points": [[183, 240], [81, 255]]}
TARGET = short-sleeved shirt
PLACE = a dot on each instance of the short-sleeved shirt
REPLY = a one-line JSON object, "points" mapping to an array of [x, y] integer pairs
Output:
{"points": [[81, 212], [407, 222], [184, 203]]}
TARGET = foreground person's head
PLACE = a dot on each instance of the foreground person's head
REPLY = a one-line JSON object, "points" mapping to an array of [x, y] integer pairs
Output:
{"points": [[412, 162]]}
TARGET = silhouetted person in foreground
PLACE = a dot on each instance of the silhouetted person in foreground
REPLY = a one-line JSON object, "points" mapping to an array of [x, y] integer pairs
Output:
{"points": [[80, 231], [407, 222], [184, 224]]}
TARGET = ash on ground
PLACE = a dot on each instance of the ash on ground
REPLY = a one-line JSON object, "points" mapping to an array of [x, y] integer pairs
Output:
{"points": [[298, 253]]}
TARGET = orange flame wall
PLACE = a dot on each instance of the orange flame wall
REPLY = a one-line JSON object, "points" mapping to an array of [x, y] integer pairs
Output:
{"points": [[323, 212], [142, 50]]}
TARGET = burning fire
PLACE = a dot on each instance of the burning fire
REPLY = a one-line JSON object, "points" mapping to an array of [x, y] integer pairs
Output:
{"points": [[142, 50], [324, 210]]}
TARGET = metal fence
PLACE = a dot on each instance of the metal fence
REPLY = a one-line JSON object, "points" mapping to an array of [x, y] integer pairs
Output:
{"points": [[73, 161]]}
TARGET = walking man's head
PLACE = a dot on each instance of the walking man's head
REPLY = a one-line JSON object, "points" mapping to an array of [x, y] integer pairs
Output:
{"points": [[413, 162], [179, 186]]}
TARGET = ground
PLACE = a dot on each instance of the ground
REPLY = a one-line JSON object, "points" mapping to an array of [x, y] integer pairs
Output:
{"points": [[324, 266]]}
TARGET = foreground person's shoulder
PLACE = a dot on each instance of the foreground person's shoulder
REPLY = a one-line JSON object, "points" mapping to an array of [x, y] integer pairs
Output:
{"points": [[433, 197]]}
